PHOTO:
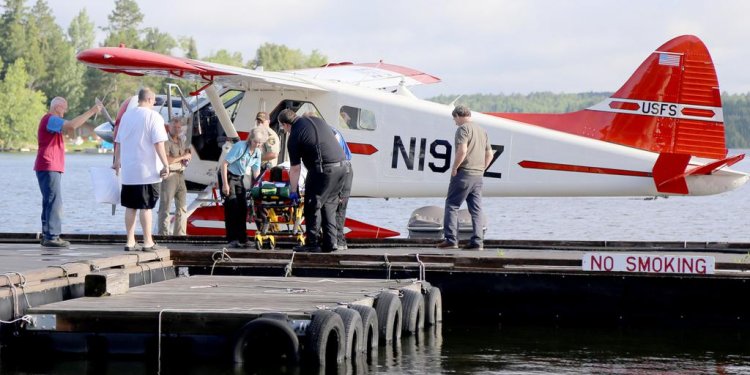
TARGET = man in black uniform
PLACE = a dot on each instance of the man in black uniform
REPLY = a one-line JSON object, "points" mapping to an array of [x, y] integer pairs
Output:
{"points": [[312, 141]]}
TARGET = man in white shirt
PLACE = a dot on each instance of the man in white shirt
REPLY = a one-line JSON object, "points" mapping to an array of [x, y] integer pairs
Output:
{"points": [[140, 154]]}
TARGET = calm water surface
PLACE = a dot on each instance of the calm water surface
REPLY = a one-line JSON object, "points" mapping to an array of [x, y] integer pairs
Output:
{"points": [[459, 348]]}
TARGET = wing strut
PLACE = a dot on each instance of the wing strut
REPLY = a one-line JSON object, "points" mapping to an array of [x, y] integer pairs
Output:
{"points": [[221, 112]]}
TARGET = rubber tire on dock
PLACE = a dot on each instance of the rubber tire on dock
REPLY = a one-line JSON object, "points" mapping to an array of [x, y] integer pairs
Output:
{"points": [[325, 338], [388, 309], [370, 326], [412, 304], [266, 339], [353, 329], [433, 306]]}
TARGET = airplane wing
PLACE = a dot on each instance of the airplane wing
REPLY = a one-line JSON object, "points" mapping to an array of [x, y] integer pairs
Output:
{"points": [[374, 75], [137, 63]]}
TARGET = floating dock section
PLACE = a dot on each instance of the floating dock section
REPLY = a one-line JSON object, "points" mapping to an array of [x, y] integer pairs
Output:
{"points": [[239, 318], [21, 290]]}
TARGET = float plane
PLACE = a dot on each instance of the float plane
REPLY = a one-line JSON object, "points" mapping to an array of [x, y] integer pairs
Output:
{"points": [[661, 133]]}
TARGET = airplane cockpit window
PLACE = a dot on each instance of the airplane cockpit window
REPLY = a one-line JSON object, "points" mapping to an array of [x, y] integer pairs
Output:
{"points": [[356, 118], [308, 109], [208, 135]]}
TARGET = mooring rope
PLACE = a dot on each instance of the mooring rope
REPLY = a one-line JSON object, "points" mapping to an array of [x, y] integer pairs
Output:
{"points": [[223, 257], [65, 273], [422, 269], [388, 266], [163, 270], [14, 295], [25, 318], [143, 273], [288, 267], [14, 292]]}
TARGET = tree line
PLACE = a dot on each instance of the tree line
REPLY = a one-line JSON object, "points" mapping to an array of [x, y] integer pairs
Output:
{"points": [[38, 62]]}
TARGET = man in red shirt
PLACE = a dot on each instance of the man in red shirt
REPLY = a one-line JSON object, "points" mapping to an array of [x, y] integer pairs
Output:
{"points": [[50, 165]]}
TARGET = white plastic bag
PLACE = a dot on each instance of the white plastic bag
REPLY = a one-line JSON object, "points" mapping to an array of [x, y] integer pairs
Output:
{"points": [[106, 185]]}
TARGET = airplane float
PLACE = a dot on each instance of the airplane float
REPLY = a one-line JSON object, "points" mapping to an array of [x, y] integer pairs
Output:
{"points": [[661, 133]]}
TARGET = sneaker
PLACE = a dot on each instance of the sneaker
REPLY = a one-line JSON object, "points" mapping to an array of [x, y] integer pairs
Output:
{"points": [[474, 246], [154, 247], [57, 242], [447, 245], [233, 244], [135, 247]]}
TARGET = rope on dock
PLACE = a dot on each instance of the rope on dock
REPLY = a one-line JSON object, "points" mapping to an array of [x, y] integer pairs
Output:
{"points": [[65, 272], [143, 267], [388, 266], [421, 269], [288, 267], [223, 257], [14, 291], [25, 318], [161, 263]]}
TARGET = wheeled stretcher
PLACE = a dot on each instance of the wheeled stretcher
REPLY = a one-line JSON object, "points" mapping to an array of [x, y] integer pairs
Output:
{"points": [[275, 215]]}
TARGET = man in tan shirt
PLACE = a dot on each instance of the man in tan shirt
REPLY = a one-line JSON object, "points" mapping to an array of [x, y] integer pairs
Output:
{"points": [[473, 156], [270, 149], [173, 186]]}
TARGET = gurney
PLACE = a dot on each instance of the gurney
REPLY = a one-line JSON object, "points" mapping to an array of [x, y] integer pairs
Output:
{"points": [[275, 215]]}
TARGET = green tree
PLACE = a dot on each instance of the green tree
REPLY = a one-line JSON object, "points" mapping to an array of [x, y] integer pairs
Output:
{"points": [[154, 40], [225, 57], [12, 30], [189, 47], [81, 32], [80, 37], [123, 29], [19, 38], [57, 73], [277, 57], [20, 107], [124, 23]]}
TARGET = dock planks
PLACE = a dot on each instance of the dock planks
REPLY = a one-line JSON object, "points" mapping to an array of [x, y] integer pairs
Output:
{"points": [[212, 304]]}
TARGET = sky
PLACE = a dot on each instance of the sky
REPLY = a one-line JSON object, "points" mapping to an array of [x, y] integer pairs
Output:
{"points": [[474, 47]]}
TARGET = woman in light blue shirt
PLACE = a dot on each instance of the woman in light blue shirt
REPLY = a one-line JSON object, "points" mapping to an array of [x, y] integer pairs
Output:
{"points": [[244, 158]]}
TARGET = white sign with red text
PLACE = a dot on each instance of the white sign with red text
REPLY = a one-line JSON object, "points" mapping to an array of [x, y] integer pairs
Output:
{"points": [[616, 262]]}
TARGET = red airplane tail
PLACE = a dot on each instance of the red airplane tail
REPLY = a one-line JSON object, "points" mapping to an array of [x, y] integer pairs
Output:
{"points": [[671, 104]]}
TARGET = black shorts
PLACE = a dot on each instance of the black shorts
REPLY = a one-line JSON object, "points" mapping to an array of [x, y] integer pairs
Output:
{"points": [[139, 196]]}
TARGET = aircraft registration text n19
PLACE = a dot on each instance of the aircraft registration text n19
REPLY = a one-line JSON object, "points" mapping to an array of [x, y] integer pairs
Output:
{"points": [[440, 151]]}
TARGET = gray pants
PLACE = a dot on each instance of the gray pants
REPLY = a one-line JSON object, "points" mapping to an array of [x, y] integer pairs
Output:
{"points": [[173, 187], [463, 187]]}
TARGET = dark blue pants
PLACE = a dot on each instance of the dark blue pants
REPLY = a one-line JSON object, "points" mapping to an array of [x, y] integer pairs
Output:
{"points": [[50, 184]]}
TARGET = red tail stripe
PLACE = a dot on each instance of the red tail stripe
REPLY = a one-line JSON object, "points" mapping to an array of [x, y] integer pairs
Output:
{"points": [[581, 168]]}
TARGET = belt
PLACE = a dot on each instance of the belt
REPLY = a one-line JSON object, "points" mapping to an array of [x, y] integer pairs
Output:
{"points": [[230, 174], [336, 164]]}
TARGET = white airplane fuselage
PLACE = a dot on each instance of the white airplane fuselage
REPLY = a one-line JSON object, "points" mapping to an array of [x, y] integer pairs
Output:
{"points": [[414, 143]]}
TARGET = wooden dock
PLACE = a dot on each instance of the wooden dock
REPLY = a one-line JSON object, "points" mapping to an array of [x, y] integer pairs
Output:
{"points": [[238, 318], [510, 281]]}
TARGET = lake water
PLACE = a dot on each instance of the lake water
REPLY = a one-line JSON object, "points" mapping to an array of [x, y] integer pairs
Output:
{"points": [[460, 348], [711, 218]]}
